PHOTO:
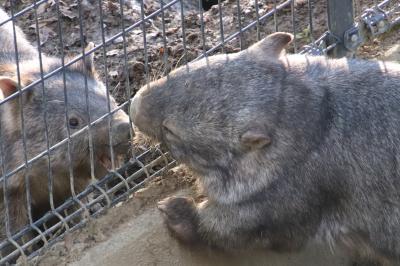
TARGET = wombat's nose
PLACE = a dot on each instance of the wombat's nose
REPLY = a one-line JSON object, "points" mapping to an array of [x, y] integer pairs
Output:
{"points": [[121, 136], [123, 128], [134, 108], [145, 114]]}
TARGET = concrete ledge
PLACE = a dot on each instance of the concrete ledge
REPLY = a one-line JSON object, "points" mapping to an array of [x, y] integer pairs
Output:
{"points": [[145, 241]]}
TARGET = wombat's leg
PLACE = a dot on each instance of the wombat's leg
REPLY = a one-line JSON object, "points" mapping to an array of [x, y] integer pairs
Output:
{"points": [[18, 218], [371, 260], [226, 226], [18, 212], [366, 262], [368, 257], [361, 250]]}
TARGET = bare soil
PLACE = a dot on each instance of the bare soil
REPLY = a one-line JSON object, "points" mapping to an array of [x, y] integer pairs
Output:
{"points": [[132, 232]]}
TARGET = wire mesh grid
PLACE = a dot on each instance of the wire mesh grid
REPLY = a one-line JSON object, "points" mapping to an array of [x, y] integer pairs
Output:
{"points": [[234, 26]]}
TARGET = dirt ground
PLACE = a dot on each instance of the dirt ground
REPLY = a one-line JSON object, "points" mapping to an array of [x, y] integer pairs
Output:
{"points": [[132, 233]]}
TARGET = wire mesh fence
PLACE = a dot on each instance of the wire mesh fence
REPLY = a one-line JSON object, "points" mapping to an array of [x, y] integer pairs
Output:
{"points": [[64, 132]]}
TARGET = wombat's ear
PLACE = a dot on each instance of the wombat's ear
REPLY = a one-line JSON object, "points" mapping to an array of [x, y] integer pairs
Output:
{"points": [[9, 86], [273, 44], [90, 59], [254, 139], [87, 66]]}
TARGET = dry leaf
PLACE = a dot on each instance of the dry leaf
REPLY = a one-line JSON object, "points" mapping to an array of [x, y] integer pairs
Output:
{"points": [[112, 52], [42, 8], [45, 33], [67, 13], [43, 23], [113, 73]]}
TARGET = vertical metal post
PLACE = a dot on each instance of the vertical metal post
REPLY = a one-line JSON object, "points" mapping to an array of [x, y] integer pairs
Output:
{"points": [[340, 19]]}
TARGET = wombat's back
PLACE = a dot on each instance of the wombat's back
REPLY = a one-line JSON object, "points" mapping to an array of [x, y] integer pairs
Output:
{"points": [[356, 126], [361, 97]]}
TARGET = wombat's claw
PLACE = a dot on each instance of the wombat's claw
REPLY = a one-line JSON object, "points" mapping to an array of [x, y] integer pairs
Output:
{"points": [[175, 203], [179, 215], [162, 207], [167, 206], [162, 204]]}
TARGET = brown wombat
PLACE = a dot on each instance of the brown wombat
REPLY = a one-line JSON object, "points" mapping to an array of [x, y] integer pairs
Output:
{"points": [[47, 103], [288, 148]]}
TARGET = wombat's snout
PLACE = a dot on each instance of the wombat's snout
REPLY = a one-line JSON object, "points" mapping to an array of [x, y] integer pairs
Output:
{"points": [[146, 116], [134, 109], [121, 128], [143, 115]]}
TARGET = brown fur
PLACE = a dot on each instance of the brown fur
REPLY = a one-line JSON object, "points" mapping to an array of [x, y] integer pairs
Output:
{"points": [[35, 107]]}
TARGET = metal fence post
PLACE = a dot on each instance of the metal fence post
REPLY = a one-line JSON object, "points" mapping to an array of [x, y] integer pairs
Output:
{"points": [[340, 19]]}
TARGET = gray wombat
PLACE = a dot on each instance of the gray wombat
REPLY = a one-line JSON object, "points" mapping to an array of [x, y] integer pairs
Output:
{"points": [[289, 148], [33, 107]]}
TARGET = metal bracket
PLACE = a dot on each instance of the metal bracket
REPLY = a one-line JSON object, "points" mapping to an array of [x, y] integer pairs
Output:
{"points": [[312, 49], [376, 20], [353, 38], [320, 47]]}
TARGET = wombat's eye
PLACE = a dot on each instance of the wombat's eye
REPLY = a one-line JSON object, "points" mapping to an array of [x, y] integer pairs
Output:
{"points": [[73, 122], [167, 130]]}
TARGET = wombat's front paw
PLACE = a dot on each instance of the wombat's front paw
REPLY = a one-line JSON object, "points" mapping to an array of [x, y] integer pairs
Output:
{"points": [[181, 218]]}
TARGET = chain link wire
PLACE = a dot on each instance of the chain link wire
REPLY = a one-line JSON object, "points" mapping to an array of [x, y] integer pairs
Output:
{"points": [[118, 184]]}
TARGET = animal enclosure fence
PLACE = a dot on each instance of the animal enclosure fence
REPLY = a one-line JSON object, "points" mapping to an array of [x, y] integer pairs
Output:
{"points": [[159, 35]]}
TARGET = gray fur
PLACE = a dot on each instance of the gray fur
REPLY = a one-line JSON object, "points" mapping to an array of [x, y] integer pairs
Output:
{"points": [[33, 107], [322, 160]]}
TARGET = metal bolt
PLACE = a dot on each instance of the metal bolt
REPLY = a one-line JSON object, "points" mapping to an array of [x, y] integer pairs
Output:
{"points": [[354, 38]]}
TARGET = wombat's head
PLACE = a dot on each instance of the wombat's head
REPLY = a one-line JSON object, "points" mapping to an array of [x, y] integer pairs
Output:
{"points": [[218, 112], [84, 98]]}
